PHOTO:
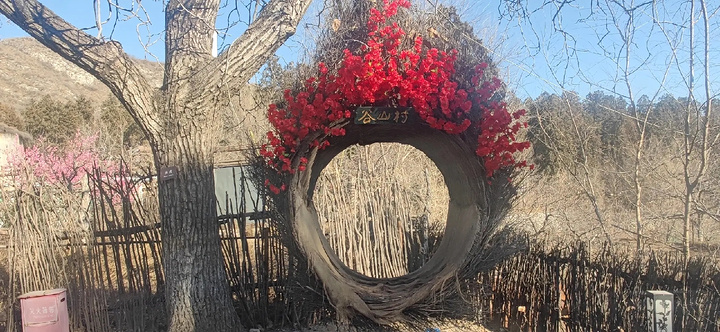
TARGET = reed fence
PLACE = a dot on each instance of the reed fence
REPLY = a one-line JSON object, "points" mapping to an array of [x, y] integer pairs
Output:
{"points": [[579, 288], [104, 245], [105, 248]]}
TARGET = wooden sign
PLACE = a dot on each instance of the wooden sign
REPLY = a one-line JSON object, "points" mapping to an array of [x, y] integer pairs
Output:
{"points": [[382, 115], [168, 173]]}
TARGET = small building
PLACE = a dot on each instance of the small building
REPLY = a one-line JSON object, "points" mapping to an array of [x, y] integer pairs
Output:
{"points": [[11, 141], [235, 192]]}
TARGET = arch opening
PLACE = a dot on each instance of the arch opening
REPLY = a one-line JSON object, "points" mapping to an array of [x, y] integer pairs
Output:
{"points": [[382, 208], [470, 221]]}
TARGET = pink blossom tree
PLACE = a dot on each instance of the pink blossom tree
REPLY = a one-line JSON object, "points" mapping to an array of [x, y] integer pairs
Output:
{"points": [[51, 165]]}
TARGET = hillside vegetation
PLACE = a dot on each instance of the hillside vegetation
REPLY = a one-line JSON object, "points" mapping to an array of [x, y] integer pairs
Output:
{"points": [[29, 70]]}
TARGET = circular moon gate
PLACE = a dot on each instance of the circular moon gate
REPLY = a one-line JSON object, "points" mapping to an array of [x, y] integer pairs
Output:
{"points": [[384, 299]]}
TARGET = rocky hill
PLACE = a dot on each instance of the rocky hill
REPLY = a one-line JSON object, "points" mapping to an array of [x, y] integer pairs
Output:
{"points": [[30, 70]]}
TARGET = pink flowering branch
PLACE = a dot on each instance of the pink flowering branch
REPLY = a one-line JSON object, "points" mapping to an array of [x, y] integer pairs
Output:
{"points": [[44, 164]]}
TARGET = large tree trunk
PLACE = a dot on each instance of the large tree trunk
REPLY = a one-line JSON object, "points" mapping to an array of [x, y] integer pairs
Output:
{"points": [[197, 293], [196, 289], [179, 121]]}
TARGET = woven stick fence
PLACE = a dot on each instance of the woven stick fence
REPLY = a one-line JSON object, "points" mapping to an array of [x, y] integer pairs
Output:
{"points": [[103, 244], [110, 262], [574, 288]]}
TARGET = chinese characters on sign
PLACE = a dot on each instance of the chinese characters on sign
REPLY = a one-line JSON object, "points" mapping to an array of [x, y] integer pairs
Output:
{"points": [[168, 173], [381, 115], [44, 312], [41, 309]]}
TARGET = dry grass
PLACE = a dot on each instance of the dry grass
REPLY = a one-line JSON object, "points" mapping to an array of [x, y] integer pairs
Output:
{"points": [[29, 70]]}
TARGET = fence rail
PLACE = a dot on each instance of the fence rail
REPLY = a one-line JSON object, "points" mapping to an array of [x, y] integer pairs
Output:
{"points": [[112, 267], [111, 261], [574, 288]]}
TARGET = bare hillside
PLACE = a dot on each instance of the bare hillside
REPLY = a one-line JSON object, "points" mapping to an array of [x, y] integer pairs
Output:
{"points": [[29, 70]]}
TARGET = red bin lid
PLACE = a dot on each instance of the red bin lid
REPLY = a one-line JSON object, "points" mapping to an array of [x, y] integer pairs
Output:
{"points": [[42, 293]]}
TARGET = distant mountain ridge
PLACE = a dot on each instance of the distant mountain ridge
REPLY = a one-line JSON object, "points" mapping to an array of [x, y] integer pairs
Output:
{"points": [[30, 70]]}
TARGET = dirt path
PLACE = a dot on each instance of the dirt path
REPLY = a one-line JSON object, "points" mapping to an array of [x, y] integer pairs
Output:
{"points": [[444, 326]]}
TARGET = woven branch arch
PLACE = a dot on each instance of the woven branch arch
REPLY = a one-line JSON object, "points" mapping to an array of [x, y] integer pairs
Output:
{"points": [[384, 300], [458, 120]]}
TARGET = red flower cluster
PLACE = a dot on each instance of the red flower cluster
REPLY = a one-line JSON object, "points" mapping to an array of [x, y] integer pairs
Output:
{"points": [[498, 129], [385, 75], [382, 75]]}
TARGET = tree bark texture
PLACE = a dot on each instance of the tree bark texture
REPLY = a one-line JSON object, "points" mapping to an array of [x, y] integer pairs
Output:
{"points": [[180, 120]]}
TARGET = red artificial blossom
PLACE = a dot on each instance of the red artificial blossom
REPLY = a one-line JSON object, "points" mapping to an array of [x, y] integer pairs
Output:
{"points": [[381, 75]]}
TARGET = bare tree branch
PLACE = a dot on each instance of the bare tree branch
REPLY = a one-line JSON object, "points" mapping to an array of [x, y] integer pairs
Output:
{"points": [[105, 60], [273, 26]]}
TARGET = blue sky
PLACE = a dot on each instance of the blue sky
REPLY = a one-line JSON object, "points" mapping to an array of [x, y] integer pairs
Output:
{"points": [[598, 64], [532, 52], [142, 36]]}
